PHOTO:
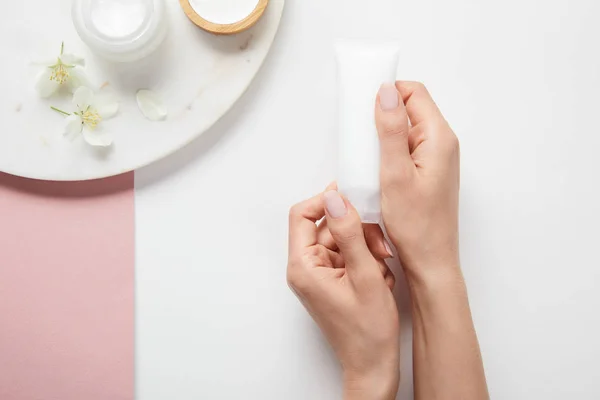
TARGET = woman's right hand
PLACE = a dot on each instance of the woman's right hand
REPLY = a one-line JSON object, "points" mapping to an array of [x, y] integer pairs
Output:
{"points": [[420, 176], [420, 172]]}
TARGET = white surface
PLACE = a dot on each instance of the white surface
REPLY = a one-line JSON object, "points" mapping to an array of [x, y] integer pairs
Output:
{"points": [[361, 69], [519, 82], [199, 76], [224, 11]]}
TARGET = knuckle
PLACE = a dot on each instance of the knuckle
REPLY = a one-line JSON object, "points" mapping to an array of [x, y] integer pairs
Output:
{"points": [[311, 252], [390, 183], [393, 176], [455, 144], [345, 237], [420, 87], [313, 256], [291, 277], [454, 141], [392, 281], [395, 127], [296, 211], [451, 144], [296, 280]]}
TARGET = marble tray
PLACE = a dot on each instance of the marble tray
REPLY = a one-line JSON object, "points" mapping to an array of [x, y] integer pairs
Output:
{"points": [[199, 76]]}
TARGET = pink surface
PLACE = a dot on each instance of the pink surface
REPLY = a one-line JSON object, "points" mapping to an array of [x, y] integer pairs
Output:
{"points": [[66, 289]]}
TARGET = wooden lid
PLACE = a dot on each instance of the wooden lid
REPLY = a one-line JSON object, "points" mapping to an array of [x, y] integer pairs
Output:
{"points": [[224, 29]]}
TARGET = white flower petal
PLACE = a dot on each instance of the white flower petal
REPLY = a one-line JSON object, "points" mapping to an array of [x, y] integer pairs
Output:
{"points": [[108, 110], [151, 105], [77, 79], [106, 105], [44, 85], [46, 63], [97, 138], [73, 126], [72, 59], [83, 97]]}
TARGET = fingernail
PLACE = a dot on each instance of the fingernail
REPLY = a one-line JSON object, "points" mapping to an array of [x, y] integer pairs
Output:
{"points": [[335, 204], [388, 97], [388, 248]]}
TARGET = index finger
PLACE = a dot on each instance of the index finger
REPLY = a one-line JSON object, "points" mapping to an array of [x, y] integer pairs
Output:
{"points": [[420, 106], [303, 223]]}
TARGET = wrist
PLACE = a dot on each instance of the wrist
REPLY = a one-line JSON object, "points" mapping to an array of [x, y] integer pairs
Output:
{"points": [[434, 288], [431, 267], [377, 385], [434, 276]]}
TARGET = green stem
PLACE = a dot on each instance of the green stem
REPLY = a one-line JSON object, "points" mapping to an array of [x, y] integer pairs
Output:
{"points": [[62, 48], [60, 111]]}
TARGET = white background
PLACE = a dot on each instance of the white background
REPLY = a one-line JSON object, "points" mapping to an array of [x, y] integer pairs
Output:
{"points": [[519, 82]]}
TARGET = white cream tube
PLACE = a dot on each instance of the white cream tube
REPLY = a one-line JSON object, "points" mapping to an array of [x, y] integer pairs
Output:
{"points": [[362, 69]]}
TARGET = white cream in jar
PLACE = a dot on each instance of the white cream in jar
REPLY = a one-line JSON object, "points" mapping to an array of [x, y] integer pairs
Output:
{"points": [[224, 11], [224, 17], [120, 30]]}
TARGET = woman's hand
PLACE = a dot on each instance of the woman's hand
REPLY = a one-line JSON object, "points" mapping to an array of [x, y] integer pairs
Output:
{"points": [[420, 178], [337, 271], [420, 181]]}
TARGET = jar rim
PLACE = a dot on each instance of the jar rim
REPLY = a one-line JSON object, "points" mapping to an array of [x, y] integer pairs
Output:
{"points": [[87, 29]]}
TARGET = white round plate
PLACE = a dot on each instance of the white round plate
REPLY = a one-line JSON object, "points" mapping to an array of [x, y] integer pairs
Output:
{"points": [[198, 75]]}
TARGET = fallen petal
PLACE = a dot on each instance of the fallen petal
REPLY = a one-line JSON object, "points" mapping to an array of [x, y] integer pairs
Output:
{"points": [[72, 59], [83, 97], [73, 126], [97, 138], [106, 104], [151, 105], [44, 86], [107, 111], [46, 63]]}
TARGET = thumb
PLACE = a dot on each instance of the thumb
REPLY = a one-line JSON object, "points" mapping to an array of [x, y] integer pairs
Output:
{"points": [[393, 128], [346, 229]]}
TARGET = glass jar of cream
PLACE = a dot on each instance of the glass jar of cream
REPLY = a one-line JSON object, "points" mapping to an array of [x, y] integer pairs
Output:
{"points": [[120, 30]]}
